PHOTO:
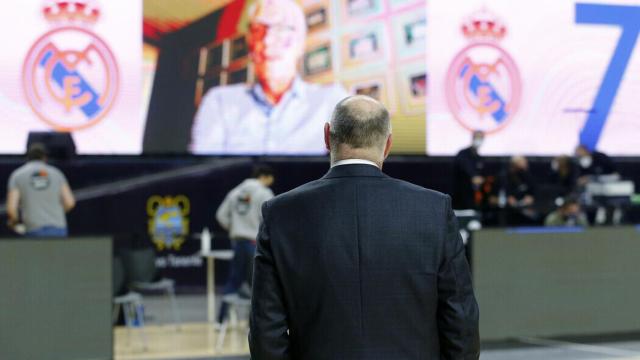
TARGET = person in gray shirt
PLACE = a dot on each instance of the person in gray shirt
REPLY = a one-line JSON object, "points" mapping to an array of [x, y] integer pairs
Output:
{"points": [[240, 214], [40, 195]]}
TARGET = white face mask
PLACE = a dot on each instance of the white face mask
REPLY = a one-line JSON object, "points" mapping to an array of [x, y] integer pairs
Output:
{"points": [[585, 161], [477, 142]]}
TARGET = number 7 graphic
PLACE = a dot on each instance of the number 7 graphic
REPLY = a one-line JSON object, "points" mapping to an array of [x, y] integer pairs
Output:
{"points": [[628, 18]]}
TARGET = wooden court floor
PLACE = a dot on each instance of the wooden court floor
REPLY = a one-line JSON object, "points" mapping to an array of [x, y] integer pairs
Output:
{"points": [[187, 341], [198, 341]]}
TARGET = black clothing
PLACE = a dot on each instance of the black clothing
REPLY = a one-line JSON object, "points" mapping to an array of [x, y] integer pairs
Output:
{"points": [[358, 265], [467, 164], [520, 184], [601, 164], [564, 184]]}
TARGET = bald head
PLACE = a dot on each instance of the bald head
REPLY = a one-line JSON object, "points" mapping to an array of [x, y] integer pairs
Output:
{"points": [[359, 129], [360, 122]]}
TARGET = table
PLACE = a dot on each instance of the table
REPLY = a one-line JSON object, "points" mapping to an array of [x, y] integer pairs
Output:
{"points": [[211, 291]]}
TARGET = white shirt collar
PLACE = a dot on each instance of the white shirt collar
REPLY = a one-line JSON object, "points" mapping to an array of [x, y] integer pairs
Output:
{"points": [[354, 161]]}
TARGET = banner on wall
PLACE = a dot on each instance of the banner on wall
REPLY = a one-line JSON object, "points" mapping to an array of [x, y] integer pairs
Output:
{"points": [[539, 77], [73, 66]]}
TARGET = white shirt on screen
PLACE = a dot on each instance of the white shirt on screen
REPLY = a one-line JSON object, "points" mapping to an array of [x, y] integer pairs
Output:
{"points": [[354, 161], [238, 119]]}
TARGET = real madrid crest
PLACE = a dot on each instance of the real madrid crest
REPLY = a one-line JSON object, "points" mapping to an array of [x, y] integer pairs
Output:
{"points": [[483, 85], [168, 221], [70, 76]]}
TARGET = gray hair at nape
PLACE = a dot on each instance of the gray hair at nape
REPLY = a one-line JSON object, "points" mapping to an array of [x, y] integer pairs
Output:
{"points": [[360, 122]]}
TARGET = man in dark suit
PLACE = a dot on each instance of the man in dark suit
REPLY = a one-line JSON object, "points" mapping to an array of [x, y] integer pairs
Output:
{"points": [[358, 265]]}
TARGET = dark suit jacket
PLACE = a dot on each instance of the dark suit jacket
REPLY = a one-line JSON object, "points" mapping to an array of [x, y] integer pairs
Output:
{"points": [[358, 265]]}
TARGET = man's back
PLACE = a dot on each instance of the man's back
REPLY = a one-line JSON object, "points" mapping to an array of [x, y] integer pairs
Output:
{"points": [[358, 265], [40, 186]]}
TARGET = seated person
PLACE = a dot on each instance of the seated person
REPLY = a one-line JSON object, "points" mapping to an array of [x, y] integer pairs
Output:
{"points": [[592, 163], [564, 175], [520, 189], [279, 113], [568, 214]]}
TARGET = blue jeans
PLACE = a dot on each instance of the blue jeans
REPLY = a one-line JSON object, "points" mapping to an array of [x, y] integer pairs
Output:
{"points": [[47, 231], [241, 265], [241, 270]]}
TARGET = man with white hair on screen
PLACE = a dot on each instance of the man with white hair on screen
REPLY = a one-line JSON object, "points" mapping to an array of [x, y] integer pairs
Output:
{"points": [[279, 113]]}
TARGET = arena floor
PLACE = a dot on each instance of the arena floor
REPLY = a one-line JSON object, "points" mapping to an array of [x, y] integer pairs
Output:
{"points": [[195, 339]]}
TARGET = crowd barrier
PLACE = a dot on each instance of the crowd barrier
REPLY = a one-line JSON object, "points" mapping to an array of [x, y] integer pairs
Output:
{"points": [[550, 282], [56, 299]]}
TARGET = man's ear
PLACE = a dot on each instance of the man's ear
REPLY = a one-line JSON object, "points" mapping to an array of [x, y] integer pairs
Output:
{"points": [[387, 147], [327, 136]]}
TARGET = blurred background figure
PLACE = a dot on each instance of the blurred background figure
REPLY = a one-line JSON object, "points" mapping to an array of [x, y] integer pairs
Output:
{"points": [[468, 176], [39, 195], [280, 113], [592, 163], [564, 175], [519, 189], [568, 214], [595, 170], [240, 214]]}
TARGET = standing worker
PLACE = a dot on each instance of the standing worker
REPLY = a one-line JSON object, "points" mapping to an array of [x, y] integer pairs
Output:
{"points": [[40, 195], [240, 215], [468, 174]]}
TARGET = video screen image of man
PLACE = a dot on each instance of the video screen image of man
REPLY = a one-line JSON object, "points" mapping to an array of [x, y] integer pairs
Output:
{"points": [[277, 114]]}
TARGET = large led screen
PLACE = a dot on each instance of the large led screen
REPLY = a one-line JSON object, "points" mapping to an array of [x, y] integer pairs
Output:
{"points": [[72, 66], [263, 76], [539, 77]]}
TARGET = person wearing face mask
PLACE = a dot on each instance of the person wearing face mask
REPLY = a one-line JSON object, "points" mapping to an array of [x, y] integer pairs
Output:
{"points": [[568, 214], [468, 176], [520, 190], [279, 113], [592, 163]]}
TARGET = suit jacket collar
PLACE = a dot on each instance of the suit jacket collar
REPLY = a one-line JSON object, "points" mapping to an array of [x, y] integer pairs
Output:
{"points": [[354, 170]]}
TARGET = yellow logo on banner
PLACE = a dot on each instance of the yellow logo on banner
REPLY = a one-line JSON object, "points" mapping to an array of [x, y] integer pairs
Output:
{"points": [[168, 220]]}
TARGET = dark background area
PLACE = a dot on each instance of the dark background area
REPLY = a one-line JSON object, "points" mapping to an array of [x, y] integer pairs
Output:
{"points": [[117, 212], [120, 211]]}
